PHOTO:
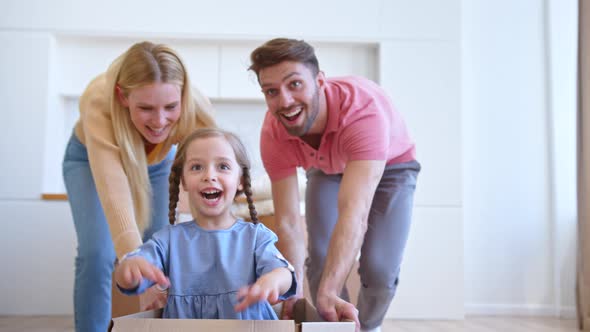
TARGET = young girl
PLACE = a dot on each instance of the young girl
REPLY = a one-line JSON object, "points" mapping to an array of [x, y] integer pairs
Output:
{"points": [[215, 266]]}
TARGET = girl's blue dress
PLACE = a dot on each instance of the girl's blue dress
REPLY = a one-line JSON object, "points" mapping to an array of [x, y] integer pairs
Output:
{"points": [[206, 268]]}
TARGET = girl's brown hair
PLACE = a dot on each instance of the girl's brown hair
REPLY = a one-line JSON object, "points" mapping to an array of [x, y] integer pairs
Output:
{"points": [[241, 158]]}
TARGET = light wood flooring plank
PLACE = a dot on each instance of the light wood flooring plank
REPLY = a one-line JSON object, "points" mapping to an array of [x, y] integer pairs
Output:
{"points": [[483, 324]]}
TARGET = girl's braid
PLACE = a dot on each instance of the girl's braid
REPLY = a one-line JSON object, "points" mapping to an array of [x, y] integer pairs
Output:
{"points": [[248, 192], [174, 180]]}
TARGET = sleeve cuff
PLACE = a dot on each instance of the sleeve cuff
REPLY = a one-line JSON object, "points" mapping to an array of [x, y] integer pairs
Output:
{"points": [[292, 290], [126, 242], [141, 287]]}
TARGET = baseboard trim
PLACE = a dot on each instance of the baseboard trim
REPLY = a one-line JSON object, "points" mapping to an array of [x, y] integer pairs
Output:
{"points": [[519, 310], [568, 313]]}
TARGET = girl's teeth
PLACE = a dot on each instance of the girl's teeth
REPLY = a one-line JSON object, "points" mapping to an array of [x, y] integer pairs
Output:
{"points": [[211, 195]]}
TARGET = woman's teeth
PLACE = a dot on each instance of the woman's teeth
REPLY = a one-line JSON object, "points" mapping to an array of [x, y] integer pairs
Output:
{"points": [[157, 131]]}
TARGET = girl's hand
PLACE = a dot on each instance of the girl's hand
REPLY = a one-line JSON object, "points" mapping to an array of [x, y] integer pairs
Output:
{"points": [[265, 288], [132, 270], [153, 298]]}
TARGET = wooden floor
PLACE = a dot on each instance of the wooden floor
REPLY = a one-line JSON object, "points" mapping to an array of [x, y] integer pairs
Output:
{"points": [[471, 324], [483, 324]]}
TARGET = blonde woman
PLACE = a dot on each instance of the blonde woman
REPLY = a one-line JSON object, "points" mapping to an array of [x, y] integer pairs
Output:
{"points": [[117, 163]]}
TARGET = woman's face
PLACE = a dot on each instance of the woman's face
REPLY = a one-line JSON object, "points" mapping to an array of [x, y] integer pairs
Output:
{"points": [[154, 109]]}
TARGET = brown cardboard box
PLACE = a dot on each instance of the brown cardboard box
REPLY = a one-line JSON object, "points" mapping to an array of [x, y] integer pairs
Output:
{"points": [[306, 320], [121, 304]]}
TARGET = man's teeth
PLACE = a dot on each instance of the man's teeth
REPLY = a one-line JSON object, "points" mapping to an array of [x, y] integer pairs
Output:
{"points": [[294, 112]]}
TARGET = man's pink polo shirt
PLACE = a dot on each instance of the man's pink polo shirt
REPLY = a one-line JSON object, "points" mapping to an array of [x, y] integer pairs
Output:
{"points": [[362, 125]]}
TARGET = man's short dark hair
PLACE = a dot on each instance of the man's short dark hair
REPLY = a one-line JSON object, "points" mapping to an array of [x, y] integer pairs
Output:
{"points": [[278, 50]]}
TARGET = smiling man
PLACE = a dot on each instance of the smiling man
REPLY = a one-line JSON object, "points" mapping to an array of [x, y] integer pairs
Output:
{"points": [[361, 177]]}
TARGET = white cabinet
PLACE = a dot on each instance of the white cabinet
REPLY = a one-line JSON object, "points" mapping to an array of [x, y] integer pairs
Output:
{"points": [[236, 81]]}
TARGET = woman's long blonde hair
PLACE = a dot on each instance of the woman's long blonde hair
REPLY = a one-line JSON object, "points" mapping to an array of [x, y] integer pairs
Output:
{"points": [[146, 63]]}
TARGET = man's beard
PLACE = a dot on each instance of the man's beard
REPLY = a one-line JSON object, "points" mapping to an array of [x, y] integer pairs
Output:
{"points": [[312, 110]]}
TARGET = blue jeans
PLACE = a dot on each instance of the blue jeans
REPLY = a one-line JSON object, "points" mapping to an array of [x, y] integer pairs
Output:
{"points": [[95, 252], [383, 246]]}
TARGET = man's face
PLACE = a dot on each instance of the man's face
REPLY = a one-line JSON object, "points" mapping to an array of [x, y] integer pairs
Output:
{"points": [[292, 95]]}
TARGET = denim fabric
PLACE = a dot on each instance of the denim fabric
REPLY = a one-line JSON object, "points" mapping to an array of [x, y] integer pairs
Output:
{"points": [[95, 252]]}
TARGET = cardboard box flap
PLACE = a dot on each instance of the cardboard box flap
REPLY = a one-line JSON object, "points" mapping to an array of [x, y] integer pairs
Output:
{"points": [[327, 327], [145, 314], [219, 325], [303, 311], [305, 315]]}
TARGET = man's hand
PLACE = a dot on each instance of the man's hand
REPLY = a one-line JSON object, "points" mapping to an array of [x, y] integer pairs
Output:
{"points": [[333, 309]]}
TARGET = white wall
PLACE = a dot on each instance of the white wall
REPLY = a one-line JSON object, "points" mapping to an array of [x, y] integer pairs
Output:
{"points": [[470, 78], [417, 49], [562, 40], [519, 156]]}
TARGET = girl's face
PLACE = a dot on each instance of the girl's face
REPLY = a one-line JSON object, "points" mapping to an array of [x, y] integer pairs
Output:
{"points": [[154, 109], [211, 176]]}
